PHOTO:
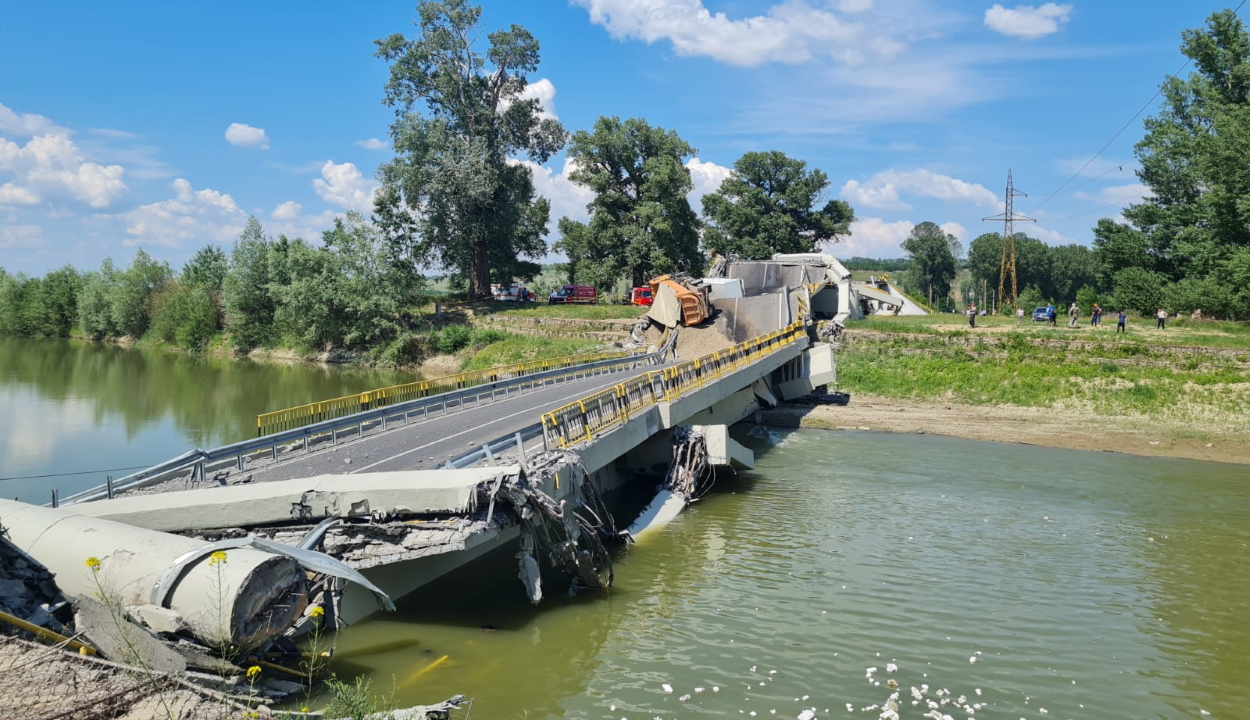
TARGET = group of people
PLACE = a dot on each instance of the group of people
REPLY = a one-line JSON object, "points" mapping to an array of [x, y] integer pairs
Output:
{"points": [[1074, 315]]}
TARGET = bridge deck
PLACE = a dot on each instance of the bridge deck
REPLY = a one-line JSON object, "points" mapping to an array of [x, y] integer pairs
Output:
{"points": [[427, 444]]}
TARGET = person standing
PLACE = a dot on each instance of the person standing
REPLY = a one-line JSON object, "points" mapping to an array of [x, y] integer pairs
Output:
{"points": [[1119, 323], [1051, 314], [972, 316], [1162, 315], [1019, 316], [1095, 317], [1074, 312]]}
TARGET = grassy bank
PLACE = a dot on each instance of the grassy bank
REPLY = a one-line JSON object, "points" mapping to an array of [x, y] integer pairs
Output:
{"points": [[1148, 374]]}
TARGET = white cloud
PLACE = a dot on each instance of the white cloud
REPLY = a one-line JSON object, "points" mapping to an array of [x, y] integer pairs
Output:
{"points": [[342, 184], [1054, 237], [11, 194], [953, 228], [27, 124], [372, 144], [53, 164], [247, 136], [568, 199], [289, 219], [793, 31], [707, 177], [874, 238], [1115, 194], [1027, 21], [544, 92], [21, 237], [883, 190], [288, 210], [191, 216]]}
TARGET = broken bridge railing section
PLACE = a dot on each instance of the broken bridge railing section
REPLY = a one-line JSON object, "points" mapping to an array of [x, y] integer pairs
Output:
{"points": [[302, 415], [578, 422]]}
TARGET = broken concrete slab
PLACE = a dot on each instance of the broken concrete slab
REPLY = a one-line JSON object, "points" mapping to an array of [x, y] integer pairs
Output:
{"points": [[381, 495], [107, 629]]}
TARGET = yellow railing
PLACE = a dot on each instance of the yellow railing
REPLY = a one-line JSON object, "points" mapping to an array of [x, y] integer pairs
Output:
{"points": [[296, 417], [579, 421]]}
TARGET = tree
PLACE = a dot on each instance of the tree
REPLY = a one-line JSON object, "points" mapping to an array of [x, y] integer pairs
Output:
{"points": [[933, 266], [207, 268], [95, 313], [769, 205], [472, 205], [379, 291], [245, 291], [1195, 222], [130, 297], [641, 223]]}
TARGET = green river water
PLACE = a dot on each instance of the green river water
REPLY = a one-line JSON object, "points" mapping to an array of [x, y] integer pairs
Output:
{"points": [[1084, 585]]}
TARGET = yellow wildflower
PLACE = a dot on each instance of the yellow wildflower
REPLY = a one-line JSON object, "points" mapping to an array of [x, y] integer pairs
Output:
{"points": [[317, 611], [217, 558], [93, 563], [304, 709], [253, 671]]}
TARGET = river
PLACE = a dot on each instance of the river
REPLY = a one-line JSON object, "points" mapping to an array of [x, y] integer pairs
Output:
{"points": [[1039, 583], [95, 409]]}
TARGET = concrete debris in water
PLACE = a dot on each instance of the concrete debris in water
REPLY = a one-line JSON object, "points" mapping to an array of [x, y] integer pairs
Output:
{"points": [[569, 533]]}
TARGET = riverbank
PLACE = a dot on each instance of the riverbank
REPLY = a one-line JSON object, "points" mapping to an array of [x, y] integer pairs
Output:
{"points": [[1181, 392], [1067, 428]]}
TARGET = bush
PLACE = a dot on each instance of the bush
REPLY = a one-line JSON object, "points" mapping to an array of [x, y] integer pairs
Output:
{"points": [[452, 339]]}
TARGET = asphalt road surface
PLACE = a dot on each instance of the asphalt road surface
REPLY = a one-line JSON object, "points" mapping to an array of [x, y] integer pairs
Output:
{"points": [[427, 444]]}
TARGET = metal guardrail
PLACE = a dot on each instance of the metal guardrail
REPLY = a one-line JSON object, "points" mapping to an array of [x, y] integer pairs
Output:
{"points": [[302, 415], [488, 451], [579, 421], [197, 462]]}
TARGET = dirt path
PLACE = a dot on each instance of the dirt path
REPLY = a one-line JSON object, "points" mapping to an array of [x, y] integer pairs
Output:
{"points": [[1072, 429]]}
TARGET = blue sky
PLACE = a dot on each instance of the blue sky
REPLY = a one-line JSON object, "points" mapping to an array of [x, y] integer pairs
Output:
{"points": [[164, 125]]}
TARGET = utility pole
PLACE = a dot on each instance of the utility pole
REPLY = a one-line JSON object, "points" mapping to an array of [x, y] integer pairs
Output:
{"points": [[1009, 218]]}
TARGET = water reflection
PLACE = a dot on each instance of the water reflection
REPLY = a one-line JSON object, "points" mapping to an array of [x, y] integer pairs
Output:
{"points": [[72, 406]]}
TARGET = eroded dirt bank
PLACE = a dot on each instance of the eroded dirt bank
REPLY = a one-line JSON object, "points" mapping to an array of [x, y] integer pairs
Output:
{"points": [[1071, 428]]}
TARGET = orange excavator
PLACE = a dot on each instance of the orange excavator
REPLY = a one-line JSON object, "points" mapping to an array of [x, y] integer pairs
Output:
{"points": [[689, 303]]}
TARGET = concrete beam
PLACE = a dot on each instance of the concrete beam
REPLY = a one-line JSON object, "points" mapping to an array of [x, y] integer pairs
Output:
{"points": [[389, 494], [819, 368], [244, 601], [724, 451]]}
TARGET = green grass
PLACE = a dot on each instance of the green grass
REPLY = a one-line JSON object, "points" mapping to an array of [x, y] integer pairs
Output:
{"points": [[1179, 332], [1011, 371], [522, 348]]}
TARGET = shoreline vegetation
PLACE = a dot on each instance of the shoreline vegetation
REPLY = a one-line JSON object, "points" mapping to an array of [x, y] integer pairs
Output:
{"points": [[1180, 392]]}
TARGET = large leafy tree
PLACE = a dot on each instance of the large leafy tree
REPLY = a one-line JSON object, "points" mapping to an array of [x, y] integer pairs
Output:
{"points": [[454, 194], [1056, 272], [772, 204], [1195, 224], [641, 223], [933, 264], [249, 307]]}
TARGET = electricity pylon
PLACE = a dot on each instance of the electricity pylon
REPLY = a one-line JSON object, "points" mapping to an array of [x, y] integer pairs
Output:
{"points": [[1009, 218]]}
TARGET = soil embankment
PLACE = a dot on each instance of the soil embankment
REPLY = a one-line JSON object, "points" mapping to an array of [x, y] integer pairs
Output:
{"points": [[1067, 428]]}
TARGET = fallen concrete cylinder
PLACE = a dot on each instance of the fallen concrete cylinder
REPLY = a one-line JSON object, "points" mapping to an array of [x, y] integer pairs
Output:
{"points": [[243, 601]]}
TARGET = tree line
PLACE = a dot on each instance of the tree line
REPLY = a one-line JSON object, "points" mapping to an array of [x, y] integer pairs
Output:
{"points": [[355, 291]]}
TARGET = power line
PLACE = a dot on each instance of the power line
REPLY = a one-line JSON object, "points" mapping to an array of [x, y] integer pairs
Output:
{"points": [[68, 474], [1120, 132]]}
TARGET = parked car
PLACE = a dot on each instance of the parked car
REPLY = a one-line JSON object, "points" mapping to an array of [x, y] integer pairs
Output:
{"points": [[584, 294], [1040, 315]]}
